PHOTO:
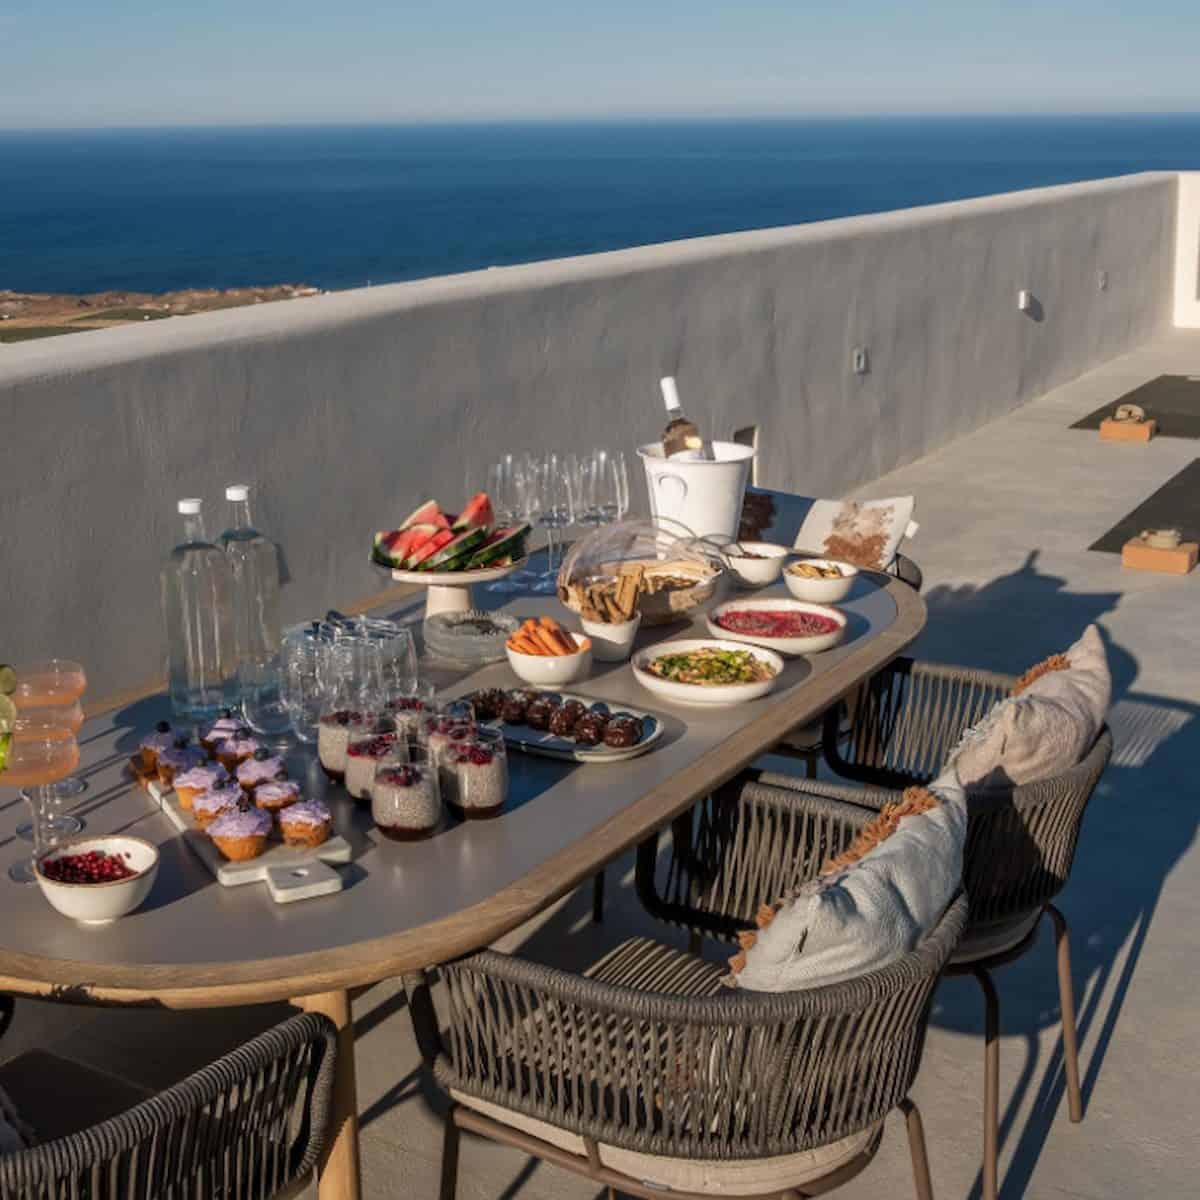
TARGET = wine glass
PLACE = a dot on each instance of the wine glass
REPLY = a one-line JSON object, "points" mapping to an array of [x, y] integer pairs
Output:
{"points": [[39, 758], [615, 502], [505, 489], [593, 481], [48, 693], [301, 680], [555, 505]]}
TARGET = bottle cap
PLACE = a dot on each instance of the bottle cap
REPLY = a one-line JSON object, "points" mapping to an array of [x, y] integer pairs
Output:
{"points": [[670, 393], [237, 492], [189, 508]]}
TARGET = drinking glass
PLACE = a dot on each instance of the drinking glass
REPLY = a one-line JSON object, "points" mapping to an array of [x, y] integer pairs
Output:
{"points": [[505, 489], [474, 776], [301, 683], [410, 705], [38, 759], [555, 503], [616, 498], [52, 688], [406, 799], [594, 486]]}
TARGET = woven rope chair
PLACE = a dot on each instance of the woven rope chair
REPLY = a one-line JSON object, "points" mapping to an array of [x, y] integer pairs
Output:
{"points": [[248, 1127], [644, 1074], [1020, 842]]}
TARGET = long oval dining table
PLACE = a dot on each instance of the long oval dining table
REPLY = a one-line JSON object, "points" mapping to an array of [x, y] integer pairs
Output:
{"points": [[405, 906]]}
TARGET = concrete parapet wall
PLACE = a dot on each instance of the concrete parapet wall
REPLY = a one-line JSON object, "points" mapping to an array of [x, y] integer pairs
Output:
{"points": [[343, 411]]}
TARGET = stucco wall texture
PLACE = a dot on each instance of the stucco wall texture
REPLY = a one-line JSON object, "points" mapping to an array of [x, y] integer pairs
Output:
{"points": [[344, 411]]}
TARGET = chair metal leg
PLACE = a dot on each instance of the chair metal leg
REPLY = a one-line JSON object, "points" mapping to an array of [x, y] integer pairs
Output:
{"points": [[916, 1147], [1066, 1001], [991, 1084], [450, 1140], [598, 898]]}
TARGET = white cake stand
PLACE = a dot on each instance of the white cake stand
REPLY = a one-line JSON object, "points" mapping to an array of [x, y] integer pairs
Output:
{"points": [[450, 591]]}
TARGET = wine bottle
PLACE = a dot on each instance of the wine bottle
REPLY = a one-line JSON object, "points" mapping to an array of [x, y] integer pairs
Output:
{"points": [[681, 436]]}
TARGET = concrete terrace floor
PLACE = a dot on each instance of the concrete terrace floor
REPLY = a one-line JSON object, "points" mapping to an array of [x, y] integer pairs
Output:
{"points": [[1006, 516]]}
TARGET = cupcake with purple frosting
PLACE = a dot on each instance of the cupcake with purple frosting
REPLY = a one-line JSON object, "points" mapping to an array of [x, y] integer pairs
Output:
{"points": [[306, 824], [198, 780], [241, 834], [264, 766], [235, 748], [176, 759], [276, 794], [226, 725], [208, 806], [153, 743]]}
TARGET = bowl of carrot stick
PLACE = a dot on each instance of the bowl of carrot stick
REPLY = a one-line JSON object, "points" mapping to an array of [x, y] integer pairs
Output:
{"points": [[543, 652]]}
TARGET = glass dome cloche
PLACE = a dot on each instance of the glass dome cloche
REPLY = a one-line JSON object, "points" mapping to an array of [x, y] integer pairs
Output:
{"points": [[660, 564]]}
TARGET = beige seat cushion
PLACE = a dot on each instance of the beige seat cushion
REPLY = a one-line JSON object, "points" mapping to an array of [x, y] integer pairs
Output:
{"points": [[1045, 730], [995, 939], [747, 1177], [644, 963]]}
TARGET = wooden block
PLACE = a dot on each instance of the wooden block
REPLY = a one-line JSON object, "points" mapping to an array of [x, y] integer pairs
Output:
{"points": [[1179, 560], [1127, 431]]}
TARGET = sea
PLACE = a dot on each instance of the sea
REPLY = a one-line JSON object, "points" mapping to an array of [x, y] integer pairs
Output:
{"points": [[344, 206]]}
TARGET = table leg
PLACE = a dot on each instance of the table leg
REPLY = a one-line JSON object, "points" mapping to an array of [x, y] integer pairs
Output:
{"points": [[339, 1175]]}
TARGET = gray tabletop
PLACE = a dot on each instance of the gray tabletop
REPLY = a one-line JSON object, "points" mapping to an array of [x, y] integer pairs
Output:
{"points": [[394, 888]]}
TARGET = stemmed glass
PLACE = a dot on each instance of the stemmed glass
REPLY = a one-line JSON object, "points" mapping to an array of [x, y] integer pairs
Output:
{"points": [[615, 497], [38, 758], [553, 506], [505, 487], [48, 693]]}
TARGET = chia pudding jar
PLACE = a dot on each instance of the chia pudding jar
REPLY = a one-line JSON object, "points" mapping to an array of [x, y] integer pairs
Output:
{"points": [[334, 731], [407, 709], [446, 723], [366, 751], [477, 773], [406, 803]]}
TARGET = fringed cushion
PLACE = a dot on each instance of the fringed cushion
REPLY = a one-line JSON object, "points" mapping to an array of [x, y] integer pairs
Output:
{"points": [[1046, 726], [871, 905]]}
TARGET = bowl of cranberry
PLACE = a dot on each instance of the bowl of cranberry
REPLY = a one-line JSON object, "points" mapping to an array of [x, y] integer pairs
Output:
{"points": [[95, 880]]}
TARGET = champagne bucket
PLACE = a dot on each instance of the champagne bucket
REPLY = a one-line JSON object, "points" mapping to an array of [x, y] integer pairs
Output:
{"points": [[704, 495]]}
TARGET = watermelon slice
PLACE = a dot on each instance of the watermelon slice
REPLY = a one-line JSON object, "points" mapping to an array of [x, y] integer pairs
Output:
{"points": [[393, 548], [456, 547], [429, 546], [502, 543], [477, 514], [428, 513]]}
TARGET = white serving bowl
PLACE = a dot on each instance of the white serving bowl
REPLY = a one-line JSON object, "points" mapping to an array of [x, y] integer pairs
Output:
{"points": [[691, 693], [821, 591], [99, 903], [756, 572], [784, 645], [612, 642], [551, 670]]}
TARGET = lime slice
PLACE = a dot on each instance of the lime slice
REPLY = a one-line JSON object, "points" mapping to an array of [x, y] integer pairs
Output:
{"points": [[8, 714], [5, 742], [8, 680]]}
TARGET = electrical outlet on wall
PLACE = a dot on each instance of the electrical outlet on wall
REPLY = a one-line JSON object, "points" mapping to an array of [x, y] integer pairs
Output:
{"points": [[1102, 280], [859, 360]]}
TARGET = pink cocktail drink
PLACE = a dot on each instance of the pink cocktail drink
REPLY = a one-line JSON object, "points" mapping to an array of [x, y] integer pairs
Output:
{"points": [[54, 681], [40, 716], [39, 758]]}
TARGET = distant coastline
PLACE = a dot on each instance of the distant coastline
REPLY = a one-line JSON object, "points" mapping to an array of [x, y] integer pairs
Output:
{"points": [[155, 211], [25, 316]]}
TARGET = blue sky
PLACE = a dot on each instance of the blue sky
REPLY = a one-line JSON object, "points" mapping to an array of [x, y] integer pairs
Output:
{"points": [[146, 62]]}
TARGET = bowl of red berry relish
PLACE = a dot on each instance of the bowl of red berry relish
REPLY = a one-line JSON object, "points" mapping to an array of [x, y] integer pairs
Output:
{"points": [[791, 627], [95, 880]]}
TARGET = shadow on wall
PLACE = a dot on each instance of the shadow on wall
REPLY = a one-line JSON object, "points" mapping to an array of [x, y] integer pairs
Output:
{"points": [[1121, 863]]}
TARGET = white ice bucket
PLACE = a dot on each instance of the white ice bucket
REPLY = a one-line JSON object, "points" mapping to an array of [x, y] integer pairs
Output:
{"points": [[704, 495]]}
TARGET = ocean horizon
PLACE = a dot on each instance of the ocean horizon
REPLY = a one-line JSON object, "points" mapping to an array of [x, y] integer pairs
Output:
{"points": [[345, 205]]}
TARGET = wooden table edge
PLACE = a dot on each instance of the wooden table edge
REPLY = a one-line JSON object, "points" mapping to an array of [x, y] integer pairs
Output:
{"points": [[367, 962]]}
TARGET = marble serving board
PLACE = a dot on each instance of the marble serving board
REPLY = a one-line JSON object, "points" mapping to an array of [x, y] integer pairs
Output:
{"points": [[542, 741], [290, 873]]}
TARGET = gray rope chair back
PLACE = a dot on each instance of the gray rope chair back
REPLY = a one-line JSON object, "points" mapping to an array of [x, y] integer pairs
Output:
{"points": [[749, 843], [734, 1076], [907, 719], [1021, 841], [247, 1127]]}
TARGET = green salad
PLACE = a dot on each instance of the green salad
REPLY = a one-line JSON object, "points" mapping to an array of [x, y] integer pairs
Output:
{"points": [[711, 667]]}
